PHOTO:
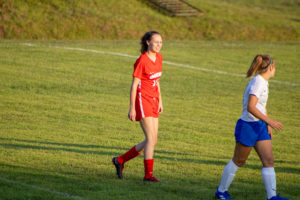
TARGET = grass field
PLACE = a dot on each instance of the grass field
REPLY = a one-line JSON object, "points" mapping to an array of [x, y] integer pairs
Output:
{"points": [[63, 116]]}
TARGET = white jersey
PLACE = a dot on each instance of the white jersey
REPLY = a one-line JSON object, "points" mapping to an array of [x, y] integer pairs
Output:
{"points": [[259, 87]]}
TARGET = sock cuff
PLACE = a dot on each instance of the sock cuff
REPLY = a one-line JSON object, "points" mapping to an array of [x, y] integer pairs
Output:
{"points": [[267, 170], [120, 160], [149, 161], [232, 164], [138, 153]]}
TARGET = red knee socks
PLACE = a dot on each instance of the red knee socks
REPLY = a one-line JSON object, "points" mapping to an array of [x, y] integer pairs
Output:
{"points": [[148, 164], [132, 153]]}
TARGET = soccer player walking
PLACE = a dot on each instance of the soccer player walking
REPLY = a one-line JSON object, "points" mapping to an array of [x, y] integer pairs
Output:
{"points": [[145, 103], [254, 129]]}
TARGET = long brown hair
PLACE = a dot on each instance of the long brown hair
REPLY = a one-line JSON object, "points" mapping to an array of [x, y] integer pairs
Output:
{"points": [[145, 38], [260, 63]]}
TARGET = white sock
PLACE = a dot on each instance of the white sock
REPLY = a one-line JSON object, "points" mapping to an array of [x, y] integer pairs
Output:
{"points": [[228, 175], [269, 179]]}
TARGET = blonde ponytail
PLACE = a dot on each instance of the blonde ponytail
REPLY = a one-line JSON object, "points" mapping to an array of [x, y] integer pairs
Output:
{"points": [[256, 63], [260, 63]]}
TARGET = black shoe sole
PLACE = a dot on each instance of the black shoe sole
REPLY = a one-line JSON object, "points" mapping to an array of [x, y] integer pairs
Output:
{"points": [[150, 181], [118, 167]]}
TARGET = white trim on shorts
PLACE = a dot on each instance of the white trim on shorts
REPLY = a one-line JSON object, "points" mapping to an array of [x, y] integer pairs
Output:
{"points": [[141, 105]]}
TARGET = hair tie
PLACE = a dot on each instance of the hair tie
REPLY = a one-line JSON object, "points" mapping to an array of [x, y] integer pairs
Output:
{"points": [[271, 62]]}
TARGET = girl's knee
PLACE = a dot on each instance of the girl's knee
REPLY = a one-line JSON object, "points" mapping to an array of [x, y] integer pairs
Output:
{"points": [[151, 141], [239, 162], [269, 162]]}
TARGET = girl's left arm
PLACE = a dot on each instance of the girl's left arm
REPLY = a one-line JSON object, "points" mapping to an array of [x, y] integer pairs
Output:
{"points": [[269, 127], [255, 112], [160, 106]]}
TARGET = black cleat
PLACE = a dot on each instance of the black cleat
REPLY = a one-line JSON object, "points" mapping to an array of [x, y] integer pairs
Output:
{"points": [[151, 179], [119, 167]]}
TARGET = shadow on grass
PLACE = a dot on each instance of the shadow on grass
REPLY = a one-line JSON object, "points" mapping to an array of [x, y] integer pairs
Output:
{"points": [[31, 183], [223, 163], [28, 181], [87, 146], [61, 144], [158, 154], [296, 20]]}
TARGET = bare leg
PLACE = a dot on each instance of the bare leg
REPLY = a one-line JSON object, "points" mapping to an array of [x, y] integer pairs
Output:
{"points": [[149, 126], [155, 120], [264, 151], [140, 147], [241, 154]]}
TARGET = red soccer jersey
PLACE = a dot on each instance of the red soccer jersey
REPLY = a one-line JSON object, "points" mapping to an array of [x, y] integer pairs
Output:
{"points": [[149, 72]]}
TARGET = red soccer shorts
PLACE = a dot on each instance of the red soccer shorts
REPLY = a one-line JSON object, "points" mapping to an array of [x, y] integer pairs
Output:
{"points": [[146, 107]]}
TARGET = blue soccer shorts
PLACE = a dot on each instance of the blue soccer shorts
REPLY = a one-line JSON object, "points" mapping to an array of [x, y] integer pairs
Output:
{"points": [[248, 133]]}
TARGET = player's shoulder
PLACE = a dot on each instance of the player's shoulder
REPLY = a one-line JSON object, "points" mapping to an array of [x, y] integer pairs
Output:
{"points": [[141, 59], [259, 80], [257, 83], [255, 80], [160, 56]]}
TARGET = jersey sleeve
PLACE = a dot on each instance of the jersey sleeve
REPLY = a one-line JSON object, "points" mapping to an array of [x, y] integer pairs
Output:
{"points": [[256, 88], [138, 69]]}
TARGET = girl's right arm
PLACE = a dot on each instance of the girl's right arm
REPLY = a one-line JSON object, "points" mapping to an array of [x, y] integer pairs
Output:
{"points": [[254, 111], [134, 84]]}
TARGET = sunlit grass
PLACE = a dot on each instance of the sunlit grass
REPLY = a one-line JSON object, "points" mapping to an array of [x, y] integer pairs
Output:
{"points": [[64, 116]]}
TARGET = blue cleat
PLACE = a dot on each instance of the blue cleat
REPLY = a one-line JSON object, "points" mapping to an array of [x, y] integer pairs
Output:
{"points": [[277, 197], [222, 195]]}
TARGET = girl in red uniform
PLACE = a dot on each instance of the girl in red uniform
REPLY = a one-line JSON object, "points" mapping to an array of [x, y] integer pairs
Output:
{"points": [[145, 103]]}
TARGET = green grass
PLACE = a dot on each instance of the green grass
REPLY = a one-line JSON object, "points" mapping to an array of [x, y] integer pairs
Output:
{"points": [[64, 116], [227, 20]]}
